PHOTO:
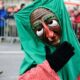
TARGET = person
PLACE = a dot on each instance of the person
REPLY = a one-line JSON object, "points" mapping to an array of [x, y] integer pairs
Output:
{"points": [[77, 21], [21, 6], [52, 51], [3, 17], [72, 18]]}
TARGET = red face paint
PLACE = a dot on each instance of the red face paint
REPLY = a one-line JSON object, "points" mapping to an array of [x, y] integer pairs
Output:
{"points": [[49, 33]]}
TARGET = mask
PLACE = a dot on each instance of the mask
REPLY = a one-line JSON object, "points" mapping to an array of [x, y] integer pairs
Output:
{"points": [[46, 26]]}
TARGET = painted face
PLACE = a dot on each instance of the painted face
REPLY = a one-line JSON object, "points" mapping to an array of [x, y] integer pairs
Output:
{"points": [[46, 26]]}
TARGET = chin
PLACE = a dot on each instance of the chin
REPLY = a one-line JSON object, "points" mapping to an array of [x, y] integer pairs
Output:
{"points": [[56, 43]]}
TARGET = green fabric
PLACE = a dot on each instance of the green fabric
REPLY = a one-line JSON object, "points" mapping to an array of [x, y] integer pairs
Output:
{"points": [[34, 49]]}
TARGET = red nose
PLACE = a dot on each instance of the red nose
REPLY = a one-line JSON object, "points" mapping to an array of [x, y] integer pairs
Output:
{"points": [[49, 33]]}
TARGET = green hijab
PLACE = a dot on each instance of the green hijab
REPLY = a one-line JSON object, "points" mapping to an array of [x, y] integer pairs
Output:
{"points": [[33, 48]]}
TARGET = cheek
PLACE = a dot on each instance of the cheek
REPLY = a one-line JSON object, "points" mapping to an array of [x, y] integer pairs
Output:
{"points": [[56, 30]]}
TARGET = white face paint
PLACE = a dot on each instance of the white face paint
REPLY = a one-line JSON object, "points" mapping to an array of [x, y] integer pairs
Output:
{"points": [[54, 23], [40, 32]]}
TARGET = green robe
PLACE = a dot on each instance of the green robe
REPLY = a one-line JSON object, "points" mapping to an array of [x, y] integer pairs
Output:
{"points": [[33, 48]]}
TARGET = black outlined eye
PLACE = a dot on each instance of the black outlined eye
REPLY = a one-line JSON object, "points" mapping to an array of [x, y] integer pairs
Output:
{"points": [[52, 23], [40, 32]]}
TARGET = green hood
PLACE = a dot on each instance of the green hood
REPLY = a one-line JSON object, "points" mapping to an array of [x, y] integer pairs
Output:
{"points": [[33, 48]]}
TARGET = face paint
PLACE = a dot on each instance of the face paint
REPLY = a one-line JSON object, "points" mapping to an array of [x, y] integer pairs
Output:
{"points": [[46, 26]]}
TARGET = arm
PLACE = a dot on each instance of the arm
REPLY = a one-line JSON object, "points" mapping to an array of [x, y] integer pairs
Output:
{"points": [[60, 57]]}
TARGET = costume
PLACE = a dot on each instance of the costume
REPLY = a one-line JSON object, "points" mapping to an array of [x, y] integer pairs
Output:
{"points": [[35, 50]]}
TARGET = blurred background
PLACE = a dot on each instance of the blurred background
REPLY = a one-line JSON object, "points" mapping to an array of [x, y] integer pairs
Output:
{"points": [[10, 50]]}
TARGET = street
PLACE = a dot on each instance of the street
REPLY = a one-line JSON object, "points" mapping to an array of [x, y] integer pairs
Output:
{"points": [[10, 59]]}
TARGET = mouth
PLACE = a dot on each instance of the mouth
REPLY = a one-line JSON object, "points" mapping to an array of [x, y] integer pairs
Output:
{"points": [[54, 41]]}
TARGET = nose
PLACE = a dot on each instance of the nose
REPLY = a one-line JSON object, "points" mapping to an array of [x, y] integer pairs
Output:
{"points": [[49, 33]]}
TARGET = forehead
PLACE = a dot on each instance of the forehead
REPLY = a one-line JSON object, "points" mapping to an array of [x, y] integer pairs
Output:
{"points": [[38, 13]]}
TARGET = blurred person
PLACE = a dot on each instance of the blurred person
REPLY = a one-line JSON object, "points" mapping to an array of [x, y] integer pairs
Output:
{"points": [[10, 11], [22, 5], [72, 18], [52, 51], [11, 22], [3, 17], [16, 9], [77, 21]]}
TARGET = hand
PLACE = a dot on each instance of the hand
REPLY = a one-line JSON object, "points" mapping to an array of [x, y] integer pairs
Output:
{"points": [[60, 56]]}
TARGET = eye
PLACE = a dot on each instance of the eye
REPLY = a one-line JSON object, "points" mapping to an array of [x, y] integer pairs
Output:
{"points": [[39, 32], [52, 23]]}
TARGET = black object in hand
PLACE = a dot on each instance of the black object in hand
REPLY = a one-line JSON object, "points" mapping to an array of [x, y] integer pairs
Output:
{"points": [[60, 56]]}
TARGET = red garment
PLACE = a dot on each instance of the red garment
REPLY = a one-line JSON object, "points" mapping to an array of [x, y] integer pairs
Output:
{"points": [[77, 19], [78, 77], [40, 72]]}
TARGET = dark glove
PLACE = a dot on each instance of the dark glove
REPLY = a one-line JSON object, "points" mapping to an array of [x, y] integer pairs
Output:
{"points": [[60, 56]]}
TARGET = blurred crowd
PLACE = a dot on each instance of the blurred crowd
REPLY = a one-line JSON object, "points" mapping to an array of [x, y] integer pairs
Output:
{"points": [[75, 19], [7, 22], [7, 19]]}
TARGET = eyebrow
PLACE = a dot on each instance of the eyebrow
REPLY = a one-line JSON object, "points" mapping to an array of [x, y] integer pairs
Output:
{"points": [[36, 23], [48, 17]]}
